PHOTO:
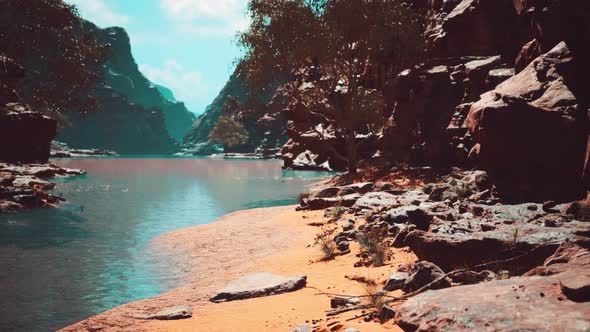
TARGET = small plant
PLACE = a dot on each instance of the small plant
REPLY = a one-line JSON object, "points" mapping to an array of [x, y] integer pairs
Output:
{"points": [[462, 190], [373, 243], [326, 243], [335, 212], [374, 294]]}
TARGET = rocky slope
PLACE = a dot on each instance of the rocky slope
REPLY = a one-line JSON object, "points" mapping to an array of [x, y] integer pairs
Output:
{"points": [[134, 116], [483, 264], [263, 119]]}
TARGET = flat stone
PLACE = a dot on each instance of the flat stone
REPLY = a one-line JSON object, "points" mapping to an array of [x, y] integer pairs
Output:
{"points": [[375, 201], [172, 313], [259, 285]]}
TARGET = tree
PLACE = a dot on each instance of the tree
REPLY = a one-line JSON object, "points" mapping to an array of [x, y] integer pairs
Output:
{"points": [[61, 61], [325, 47], [229, 132]]}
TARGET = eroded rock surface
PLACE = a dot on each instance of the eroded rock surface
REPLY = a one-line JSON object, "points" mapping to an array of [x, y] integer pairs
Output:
{"points": [[517, 304]]}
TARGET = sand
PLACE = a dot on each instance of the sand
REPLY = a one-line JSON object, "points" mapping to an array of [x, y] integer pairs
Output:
{"points": [[277, 240]]}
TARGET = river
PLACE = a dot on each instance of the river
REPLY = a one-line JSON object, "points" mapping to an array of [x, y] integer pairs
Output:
{"points": [[59, 266]]}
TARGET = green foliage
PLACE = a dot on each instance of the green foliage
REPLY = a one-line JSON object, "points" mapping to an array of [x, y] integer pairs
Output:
{"points": [[325, 48], [231, 105], [60, 61], [229, 132]]}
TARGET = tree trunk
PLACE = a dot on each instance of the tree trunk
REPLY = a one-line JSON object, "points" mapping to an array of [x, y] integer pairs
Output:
{"points": [[351, 152]]}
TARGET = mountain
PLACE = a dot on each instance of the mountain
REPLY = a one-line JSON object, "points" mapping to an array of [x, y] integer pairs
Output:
{"points": [[167, 93], [134, 115]]}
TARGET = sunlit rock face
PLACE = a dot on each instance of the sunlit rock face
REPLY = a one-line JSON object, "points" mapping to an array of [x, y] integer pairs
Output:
{"points": [[134, 115]]}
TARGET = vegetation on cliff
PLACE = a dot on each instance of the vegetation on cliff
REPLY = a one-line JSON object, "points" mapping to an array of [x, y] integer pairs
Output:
{"points": [[326, 48], [44, 37]]}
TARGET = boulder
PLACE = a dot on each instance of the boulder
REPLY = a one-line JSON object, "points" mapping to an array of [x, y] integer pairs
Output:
{"points": [[258, 285], [517, 304], [474, 27], [470, 240], [316, 203], [386, 313], [396, 281], [422, 274], [25, 136], [528, 116]]}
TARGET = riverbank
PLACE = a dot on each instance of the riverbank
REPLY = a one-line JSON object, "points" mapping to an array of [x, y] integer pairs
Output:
{"points": [[277, 240]]}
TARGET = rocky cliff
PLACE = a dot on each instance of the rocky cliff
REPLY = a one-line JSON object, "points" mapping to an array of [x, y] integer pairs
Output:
{"points": [[502, 89], [134, 115], [18, 121], [262, 117]]}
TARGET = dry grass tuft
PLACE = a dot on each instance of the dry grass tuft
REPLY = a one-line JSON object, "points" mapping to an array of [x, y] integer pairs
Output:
{"points": [[373, 242], [326, 243], [374, 294]]}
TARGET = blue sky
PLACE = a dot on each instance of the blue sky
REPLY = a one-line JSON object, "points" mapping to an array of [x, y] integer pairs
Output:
{"points": [[186, 45]]}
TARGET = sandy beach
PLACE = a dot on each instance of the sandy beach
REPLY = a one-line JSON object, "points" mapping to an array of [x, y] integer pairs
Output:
{"points": [[277, 240]]}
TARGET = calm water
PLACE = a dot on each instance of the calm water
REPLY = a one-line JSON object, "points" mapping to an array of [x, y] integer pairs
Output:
{"points": [[58, 266]]}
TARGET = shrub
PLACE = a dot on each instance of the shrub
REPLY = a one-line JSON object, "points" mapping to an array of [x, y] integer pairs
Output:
{"points": [[335, 212], [326, 243], [374, 294], [373, 243]]}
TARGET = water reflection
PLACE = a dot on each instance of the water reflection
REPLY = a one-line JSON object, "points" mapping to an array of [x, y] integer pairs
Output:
{"points": [[62, 265]]}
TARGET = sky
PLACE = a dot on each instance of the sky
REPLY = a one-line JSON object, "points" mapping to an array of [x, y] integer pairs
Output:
{"points": [[185, 45]]}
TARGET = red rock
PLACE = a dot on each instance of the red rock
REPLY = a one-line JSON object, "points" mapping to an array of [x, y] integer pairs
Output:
{"points": [[517, 304], [531, 129]]}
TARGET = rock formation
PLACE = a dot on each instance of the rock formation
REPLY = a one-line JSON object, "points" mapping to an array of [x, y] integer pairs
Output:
{"points": [[25, 136], [261, 117]]}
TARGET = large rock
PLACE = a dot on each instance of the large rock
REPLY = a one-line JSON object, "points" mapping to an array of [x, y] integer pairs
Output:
{"points": [[517, 304], [532, 129], [474, 27], [25, 136], [257, 285], [497, 235], [546, 20], [433, 99], [424, 273]]}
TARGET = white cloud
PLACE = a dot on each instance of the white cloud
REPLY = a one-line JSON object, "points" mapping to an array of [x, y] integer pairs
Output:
{"points": [[99, 12], [187, 86], [206, 18]]}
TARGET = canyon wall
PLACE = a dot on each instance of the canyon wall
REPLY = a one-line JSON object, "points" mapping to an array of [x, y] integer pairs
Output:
{"points": [[134, 116]]}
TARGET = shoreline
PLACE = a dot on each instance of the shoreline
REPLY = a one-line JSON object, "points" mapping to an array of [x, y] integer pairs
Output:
{"points": [[277, 240]]}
